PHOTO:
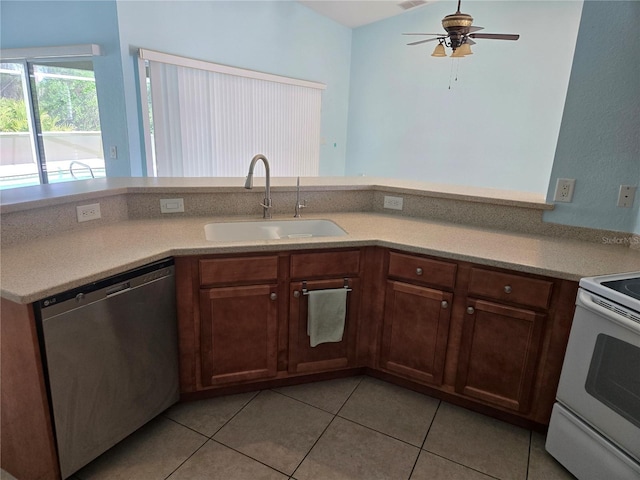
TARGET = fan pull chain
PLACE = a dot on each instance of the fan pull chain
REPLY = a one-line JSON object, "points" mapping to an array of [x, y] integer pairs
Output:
{"points": [[455, 61], [451, 73]]}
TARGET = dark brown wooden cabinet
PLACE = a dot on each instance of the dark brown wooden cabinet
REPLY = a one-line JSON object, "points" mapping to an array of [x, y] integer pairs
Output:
{"points": [[416, 317], [237, 319], [321, 271], [487, 338], [501, 337], [238, 333], [499, 354]]}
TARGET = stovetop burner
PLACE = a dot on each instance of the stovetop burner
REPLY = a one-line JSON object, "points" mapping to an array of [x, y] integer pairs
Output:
{"points": [[628, 286]]}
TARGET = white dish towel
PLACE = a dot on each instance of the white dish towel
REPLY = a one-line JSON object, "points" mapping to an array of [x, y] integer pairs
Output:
{"points": [[326, 315]]}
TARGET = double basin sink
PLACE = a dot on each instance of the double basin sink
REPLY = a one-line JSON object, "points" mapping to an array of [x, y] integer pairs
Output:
{"points": [[271, 230]]}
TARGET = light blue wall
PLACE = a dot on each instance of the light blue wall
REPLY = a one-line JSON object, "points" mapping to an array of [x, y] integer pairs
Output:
{"points": [[52, 23], [280, 37], [498, 124], [599, 143]]}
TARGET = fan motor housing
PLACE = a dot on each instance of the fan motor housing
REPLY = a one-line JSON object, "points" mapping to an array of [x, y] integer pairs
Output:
{"points": [[457, 23]]}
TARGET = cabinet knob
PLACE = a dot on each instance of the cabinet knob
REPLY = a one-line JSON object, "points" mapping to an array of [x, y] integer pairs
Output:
{"points": [[444, 304], [507, 289], [296, 293], [418, 271], [470, 310], [273, 296]]}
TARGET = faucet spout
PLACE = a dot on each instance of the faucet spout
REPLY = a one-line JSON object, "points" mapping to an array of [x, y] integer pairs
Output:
{"points": [[248, 184]]}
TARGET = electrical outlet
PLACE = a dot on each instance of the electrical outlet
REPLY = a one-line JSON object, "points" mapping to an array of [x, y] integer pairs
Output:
{"points": [[564, 190], [88, 212], [394, 203], [171, 205], [626, 196]]}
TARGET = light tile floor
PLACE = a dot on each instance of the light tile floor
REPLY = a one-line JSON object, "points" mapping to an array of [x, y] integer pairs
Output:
{"points": [[352, 428]]}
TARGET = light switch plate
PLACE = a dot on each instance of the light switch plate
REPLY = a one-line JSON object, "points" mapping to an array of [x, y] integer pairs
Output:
{"points": [[171, 205], [626, 196]]}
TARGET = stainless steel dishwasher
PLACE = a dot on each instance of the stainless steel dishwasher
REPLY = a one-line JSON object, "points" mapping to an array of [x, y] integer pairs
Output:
{"points": [[111, 355]]}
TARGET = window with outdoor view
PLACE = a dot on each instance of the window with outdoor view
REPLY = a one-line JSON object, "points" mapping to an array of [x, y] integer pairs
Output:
{"points": [[49, 123]]}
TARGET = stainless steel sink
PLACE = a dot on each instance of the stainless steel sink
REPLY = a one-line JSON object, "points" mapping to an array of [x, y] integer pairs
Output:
{"points": [[270, 230]]}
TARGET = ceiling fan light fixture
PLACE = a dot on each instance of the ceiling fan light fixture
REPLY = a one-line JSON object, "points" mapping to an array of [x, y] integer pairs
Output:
{"points": [[439, 51], [464, 49]]}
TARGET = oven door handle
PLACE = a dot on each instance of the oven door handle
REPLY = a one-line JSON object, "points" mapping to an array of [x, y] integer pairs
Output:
{"points": [[586, 300]]}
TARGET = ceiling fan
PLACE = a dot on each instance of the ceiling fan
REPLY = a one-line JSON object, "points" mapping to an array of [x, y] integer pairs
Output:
{"points": [[459, 36]]}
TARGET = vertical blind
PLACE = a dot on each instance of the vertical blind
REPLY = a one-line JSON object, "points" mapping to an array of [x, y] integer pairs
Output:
{"points": [[208, 123]]}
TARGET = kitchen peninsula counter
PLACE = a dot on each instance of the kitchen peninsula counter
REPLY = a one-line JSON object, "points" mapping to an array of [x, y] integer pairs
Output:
{"points": [[42, 267]]}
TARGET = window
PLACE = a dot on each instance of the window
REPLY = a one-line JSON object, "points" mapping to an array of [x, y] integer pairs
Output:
{"points": [[210, 120], [49, 122]]}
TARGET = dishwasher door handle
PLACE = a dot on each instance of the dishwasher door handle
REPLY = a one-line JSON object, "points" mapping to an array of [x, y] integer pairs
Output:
{"points": [[116, 289]]}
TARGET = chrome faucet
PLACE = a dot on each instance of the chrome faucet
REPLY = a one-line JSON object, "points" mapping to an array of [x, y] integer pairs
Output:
{"points": [[299, 206], [266, 205]]}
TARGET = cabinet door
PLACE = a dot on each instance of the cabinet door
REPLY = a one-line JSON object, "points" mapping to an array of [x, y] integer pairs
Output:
{"points": [[238, 333], [325, 356], [415, 331], [498, 354]]}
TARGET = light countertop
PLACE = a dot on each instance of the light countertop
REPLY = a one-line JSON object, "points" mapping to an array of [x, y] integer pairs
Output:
{"points": [[47, 266]]}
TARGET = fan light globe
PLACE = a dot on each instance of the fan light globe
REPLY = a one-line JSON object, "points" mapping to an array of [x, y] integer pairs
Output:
{"points": [[465, 49], [457, 53], [439, 51]]}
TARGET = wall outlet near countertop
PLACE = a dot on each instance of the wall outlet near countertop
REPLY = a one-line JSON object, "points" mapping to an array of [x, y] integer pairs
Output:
{"points": [[88, 212], [394, 203], [564, 190], [171, 205]]}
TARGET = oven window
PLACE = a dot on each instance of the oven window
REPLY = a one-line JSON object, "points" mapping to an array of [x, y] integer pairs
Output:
{"points": [[614, 376]]}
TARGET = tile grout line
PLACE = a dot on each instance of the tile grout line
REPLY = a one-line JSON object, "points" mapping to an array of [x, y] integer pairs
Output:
{"points": [[335, 415], [187, 459], [488, 475], [315, 406], [250, 457], [424, 440], [314, 444], [208, 438], [526, 476], [236, 414]]}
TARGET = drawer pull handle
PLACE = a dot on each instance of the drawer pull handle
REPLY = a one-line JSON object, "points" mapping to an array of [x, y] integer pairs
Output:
{"points": [[470, 310], [418, 271], [445, 304], [273, 296], [507, 289]]}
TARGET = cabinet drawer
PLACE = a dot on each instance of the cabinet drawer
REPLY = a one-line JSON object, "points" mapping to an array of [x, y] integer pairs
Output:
{"points": [[510, 288], [408, 267], [324, 264], [243, 269]]}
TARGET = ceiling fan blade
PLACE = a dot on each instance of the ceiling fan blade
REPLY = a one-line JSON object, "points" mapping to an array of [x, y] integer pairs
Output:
{"points": [[473, 28], [438, 34], [470, 42], [495, 36], [422, 41]]}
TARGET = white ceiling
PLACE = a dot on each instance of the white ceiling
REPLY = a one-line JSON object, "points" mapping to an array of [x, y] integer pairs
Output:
{"points": [[355, 13]]}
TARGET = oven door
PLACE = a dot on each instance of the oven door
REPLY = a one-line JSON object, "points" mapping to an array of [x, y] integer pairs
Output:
{"points": [[600, 380]]}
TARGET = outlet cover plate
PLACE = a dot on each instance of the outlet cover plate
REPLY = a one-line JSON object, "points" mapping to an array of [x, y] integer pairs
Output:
{"points": [[171, 205], [88, 212], [564, 190], [394, 203], [626, 196]]}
